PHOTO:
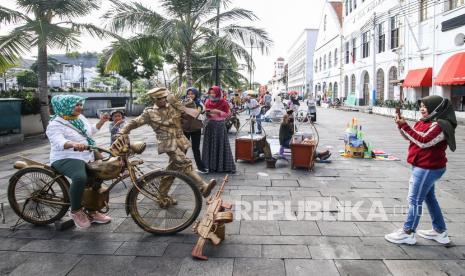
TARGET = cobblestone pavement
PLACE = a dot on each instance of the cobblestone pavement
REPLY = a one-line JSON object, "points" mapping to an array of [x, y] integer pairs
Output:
{"points": [[329, 241]]}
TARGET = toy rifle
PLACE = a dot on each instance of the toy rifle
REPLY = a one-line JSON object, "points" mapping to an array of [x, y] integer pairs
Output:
{"points": [[214, 219]]}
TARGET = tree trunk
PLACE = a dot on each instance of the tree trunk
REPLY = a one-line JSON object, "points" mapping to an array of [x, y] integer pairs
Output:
{"points": [[180, 73], [4, 81], [130, 98], [43, 87], [189, 67], [181, 69]]}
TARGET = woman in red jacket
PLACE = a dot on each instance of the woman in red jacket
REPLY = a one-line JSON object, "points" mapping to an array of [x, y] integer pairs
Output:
{"points": [[429, 139]]}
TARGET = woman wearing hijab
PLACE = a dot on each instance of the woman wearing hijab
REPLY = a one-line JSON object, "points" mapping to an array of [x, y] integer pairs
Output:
{"points": [[216, 151], [70, 133], [428, 139], [192, 127]]}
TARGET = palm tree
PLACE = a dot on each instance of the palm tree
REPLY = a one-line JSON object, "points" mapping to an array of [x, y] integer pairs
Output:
{"points": [[135, 58], [204, 63], [44, 24], [190, 24]]}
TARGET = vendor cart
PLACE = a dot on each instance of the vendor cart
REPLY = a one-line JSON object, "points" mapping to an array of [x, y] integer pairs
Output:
{"points": [[248, 146], [304, 146]]}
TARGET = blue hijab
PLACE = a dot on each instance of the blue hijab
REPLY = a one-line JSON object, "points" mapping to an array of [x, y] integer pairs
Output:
{"points": [[197, 100]]}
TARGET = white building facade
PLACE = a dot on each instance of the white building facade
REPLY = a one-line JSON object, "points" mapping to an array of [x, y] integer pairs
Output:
{"points": [[327, 63], [277, 82], [300, 62], [435, 33], [399, 50], [373, 50]]}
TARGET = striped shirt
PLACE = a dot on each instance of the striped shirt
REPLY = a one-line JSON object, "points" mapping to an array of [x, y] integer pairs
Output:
{"points": [[428, 145]]}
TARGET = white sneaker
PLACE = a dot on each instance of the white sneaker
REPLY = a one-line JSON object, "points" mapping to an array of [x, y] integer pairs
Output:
{"points": [[400, 237], [441, 238]]}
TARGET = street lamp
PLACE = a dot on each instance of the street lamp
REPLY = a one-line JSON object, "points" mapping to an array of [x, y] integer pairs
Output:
{"points": [[217, 62], [251, 60]]}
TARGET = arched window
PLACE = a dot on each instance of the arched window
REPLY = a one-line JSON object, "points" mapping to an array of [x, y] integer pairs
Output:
{"points": [[380, 85], [330, 91], [335, 58], [392, 78], [335, 92], [320, 65], [330, 60], [352, 85], [324, 62], [366, 88]]}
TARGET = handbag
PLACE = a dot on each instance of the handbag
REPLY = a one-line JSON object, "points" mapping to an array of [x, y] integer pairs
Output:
{"points": [[191, 124]]}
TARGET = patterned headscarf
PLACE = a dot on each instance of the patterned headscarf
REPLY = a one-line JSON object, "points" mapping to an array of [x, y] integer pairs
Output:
{"points": [[64, 105]]}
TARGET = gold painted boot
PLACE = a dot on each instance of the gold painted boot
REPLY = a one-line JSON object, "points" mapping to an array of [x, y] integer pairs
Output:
{"points": [[204, 187]]}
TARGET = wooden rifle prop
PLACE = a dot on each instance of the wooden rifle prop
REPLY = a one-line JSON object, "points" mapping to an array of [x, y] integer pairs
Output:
{"points": [[211, 226]]}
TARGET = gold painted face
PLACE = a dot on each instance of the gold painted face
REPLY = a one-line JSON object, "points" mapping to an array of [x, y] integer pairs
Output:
{"points": [[161, 102]]}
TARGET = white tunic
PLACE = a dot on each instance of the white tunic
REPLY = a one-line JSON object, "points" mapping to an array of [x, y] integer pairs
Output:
{"points": [[59, 134]]}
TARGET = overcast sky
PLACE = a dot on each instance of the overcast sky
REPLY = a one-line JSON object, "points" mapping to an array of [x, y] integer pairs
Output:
{"points": [[283, 19]]}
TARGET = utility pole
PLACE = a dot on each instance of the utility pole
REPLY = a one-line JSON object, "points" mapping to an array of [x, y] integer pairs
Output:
{"points": [[82, 77], [373, 94], [217, 62]]}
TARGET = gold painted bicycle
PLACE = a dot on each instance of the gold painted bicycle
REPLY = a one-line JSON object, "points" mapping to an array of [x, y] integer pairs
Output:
{"points": [[40, 195]]}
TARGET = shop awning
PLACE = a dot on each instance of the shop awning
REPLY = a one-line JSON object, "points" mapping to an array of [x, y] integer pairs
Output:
{"points": [[453, 71], [419, 78]]}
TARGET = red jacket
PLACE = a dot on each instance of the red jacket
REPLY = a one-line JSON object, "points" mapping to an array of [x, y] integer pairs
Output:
{"points": [[428, 146]]}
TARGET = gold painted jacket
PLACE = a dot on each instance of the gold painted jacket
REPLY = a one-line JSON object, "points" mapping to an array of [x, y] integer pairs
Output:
{"points": [[166, 122]]}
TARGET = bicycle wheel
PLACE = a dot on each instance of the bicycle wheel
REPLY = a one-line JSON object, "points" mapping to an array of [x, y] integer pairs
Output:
{"points": [[151, 216], [37, 197]]}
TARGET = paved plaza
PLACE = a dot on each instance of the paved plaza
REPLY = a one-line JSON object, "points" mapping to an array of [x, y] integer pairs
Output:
{"points": [[326, 240]]}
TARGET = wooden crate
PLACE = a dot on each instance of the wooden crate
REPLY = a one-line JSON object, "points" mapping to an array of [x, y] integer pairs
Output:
{"points": [[303, 155], [246, 148]]}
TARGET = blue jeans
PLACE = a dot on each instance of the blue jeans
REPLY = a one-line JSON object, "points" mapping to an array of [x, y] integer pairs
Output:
{"points": [[421, 189], [259, 122], [258, 119]]}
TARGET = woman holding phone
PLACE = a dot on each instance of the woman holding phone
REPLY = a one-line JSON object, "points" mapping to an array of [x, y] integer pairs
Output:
{"points": [[216, 152], [428, 138]]}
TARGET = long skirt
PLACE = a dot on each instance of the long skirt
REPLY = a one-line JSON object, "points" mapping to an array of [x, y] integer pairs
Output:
{"points": [[216, 152]]}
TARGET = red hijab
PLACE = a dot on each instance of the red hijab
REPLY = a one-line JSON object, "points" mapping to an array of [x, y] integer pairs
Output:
{"points": [[219, 102]]}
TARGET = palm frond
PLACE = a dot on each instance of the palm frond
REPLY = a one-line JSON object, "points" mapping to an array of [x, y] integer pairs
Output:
{"points": [[93, 30], [130, 16], [10, 16], [232, 15], [249, 35], [60, 8], [15, 44], [55, 36]]}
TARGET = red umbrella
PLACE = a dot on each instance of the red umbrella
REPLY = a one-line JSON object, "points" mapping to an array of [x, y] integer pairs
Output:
{"points": [[293, 92]]}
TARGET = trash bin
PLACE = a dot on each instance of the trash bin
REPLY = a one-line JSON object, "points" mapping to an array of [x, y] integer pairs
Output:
{"points": [[10, 116]]}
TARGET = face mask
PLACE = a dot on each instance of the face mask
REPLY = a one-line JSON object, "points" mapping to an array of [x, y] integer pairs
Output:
{"points": [[215, 99]]}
